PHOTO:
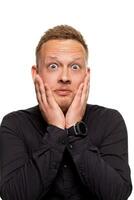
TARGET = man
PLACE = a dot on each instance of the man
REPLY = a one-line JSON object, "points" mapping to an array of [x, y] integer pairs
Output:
{"points": [[63, 148]]}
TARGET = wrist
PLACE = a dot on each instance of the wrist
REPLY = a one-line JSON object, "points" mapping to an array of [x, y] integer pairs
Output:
{"points": [[58, 126], [72, 123], [78, 129]]}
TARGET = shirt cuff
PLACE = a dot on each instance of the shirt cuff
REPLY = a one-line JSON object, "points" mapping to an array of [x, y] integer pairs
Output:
{"points": [[55, 137]]}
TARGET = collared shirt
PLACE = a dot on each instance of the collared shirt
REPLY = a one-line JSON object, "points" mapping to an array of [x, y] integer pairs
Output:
{"points": [[41, 161]]}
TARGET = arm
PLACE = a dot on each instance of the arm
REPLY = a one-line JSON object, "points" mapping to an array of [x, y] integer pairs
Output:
{"points": [[28, 177], [104, 171], [24, 176]]}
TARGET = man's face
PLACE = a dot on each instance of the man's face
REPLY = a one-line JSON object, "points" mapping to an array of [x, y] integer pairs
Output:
{"points": [[62, 65]]}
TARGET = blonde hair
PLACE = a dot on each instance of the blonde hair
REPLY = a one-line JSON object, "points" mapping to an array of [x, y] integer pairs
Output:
{"points": [[61, 32]]}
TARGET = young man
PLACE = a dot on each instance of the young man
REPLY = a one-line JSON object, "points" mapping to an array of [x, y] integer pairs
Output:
{"points": [[63, 148]]}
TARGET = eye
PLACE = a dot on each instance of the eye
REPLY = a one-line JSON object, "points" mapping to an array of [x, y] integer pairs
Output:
{"points": [[53, 66], [75, 67]]}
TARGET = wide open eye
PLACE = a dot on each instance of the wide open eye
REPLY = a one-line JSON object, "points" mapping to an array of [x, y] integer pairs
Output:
{"points": [[75, 67], [53, 66]]}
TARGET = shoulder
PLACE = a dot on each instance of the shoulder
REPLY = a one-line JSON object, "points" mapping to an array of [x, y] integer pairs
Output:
{"points": [[15, 117], [97, 111], [103, 122]]}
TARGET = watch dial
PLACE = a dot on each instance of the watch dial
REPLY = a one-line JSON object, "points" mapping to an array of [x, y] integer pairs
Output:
{"points": [[82, 128]]}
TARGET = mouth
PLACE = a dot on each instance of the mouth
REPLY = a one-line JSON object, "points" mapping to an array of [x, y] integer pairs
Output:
{"points": [[63, 92]]}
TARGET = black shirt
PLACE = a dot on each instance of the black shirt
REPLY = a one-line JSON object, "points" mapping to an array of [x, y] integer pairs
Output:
{"points": [[40, 161]]}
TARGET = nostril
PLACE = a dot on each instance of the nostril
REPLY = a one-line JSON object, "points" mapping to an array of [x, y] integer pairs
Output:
{"points": [[63, 81]]}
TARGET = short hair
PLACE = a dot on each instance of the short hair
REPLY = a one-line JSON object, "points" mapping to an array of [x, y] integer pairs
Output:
{"points": [[61, 32]]}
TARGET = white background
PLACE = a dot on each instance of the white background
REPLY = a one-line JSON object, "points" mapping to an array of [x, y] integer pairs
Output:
{"points": [[108, 27]]}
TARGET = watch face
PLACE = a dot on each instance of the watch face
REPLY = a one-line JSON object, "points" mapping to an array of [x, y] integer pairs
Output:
{"points": [[81, 128]]}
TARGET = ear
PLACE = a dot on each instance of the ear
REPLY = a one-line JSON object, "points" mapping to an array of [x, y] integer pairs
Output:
{"points": [[34, 71]]}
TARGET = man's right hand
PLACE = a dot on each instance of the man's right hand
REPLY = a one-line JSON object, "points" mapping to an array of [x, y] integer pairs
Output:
{"points": [[49, 108]]}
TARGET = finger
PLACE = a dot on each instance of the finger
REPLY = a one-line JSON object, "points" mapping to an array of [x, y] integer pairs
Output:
{"points": [[79, 93], [88, 88], [41, 89], [49, 95], [40, 83], [85, 91], [38, 95], [39, 99]]}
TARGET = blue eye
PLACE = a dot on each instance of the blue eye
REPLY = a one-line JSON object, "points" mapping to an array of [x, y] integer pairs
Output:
{"points": [[75, 67], [53, 66]]}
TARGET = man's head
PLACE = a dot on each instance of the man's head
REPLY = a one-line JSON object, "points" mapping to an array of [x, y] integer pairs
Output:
{"points": [[62, 32], [61, 62]]}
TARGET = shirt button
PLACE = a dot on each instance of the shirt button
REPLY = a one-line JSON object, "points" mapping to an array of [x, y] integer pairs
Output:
{"points": [[65, 166], [71, 146], [63, 141]]}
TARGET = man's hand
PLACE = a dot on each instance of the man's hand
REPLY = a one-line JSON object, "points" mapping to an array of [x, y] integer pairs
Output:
{"points": [[50, 110], [76, 110]]}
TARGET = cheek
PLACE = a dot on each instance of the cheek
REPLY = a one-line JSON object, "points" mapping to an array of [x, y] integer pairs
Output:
{"points": [[48, 78], [77, 81]]}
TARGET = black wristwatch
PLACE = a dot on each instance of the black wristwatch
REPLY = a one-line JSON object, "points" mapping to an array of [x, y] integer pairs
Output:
{"points": [[79, 129]]}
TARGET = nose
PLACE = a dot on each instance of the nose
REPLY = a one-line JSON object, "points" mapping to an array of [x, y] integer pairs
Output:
{"points": [[65, 76]]}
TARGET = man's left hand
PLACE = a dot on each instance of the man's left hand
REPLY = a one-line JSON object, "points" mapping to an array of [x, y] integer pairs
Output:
{"points": [[77, 108]]}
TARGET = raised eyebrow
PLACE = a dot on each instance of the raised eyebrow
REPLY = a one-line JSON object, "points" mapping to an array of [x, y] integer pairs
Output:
{"points": [[56, 59], [75, 60], [52, 57]]}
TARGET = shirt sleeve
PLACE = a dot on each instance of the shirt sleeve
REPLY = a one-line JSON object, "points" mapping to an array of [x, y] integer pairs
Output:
{"points": [[24, 176], [104, 169]]}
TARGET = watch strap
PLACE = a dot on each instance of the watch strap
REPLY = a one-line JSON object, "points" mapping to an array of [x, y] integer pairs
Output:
{"points": [[75, 130]]}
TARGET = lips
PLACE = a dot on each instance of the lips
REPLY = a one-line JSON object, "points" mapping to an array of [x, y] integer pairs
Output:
{"points": [[63, 92]]}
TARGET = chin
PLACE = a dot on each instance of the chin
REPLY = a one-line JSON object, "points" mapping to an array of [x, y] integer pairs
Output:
{"points": [[64, 102], [64, 109], [64, 105]]}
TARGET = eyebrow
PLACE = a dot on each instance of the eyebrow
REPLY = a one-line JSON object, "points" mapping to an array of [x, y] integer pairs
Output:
{"points": [[55, 58]]}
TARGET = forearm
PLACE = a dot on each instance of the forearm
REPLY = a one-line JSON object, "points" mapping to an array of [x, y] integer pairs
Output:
{"points": [[27, 176], [32, 179], [101, 158], [100, 178]]}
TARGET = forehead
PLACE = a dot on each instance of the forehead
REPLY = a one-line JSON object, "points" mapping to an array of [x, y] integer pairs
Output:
{"points": [[62, 48]]}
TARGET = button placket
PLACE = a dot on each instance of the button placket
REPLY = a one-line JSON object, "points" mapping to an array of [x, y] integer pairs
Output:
{"points": [[70, 146], [65, 165], [63, 141]]}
